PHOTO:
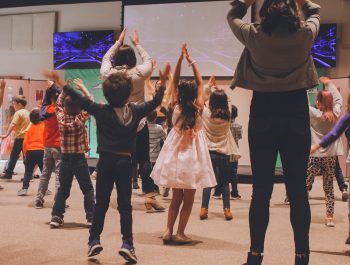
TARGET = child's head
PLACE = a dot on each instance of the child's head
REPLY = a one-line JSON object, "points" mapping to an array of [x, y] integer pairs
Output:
{"points": [[152, 117], [117, 89], [19, 102], [34, 116], [71, 107], [324, 102], [187, 94], [218, 105], [234, 112], [125, 56]]}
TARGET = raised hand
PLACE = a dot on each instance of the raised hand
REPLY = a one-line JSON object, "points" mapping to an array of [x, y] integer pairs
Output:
{"points": [[302, 2], [53, 75], [135, 40], [122, 36], [325, 80], [79, 84], [187, 55], [248, 3], [212, 81], [154, 64], [163, 75]]}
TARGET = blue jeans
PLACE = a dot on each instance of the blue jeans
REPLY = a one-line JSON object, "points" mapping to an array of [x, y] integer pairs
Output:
{"points": [[74, 165], [234, 178], [221, 169], [339, 176], [52, 163], [113, 170]]}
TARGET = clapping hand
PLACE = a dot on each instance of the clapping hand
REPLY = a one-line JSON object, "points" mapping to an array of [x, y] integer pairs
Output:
{"points": [[163, 75], [212, 81], [122, 36], [135, 40], [248, 3]]}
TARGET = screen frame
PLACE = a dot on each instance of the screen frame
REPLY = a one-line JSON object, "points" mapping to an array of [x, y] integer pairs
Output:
{"points": [[154, 2]]}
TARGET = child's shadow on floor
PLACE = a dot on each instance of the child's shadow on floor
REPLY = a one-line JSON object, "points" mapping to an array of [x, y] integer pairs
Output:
{"points": [[199, 242], [71, 226]]}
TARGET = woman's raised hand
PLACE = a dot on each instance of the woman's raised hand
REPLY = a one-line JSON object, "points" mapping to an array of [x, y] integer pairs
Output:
{"points": [[122, 36], [135, 40]]}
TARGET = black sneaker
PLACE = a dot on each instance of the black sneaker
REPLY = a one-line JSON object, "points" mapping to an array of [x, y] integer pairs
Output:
{"points": [[5, 176], [235, 196], [56, 222], [95, 248], [39, 204], [128, 253]]}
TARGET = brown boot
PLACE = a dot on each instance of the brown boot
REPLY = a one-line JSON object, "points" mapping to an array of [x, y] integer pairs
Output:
{"points": [[152, 203], [228, 214], [348, 240], [204, 214]]}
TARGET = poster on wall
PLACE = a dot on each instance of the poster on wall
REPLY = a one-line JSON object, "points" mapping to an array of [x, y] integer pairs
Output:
{"points": [[33, 91], [92, 81]]}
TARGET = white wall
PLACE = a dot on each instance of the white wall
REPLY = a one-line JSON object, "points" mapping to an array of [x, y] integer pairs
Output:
{"points": [[73, 17]]}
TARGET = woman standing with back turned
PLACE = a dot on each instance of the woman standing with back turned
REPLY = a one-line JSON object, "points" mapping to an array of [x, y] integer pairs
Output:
{"points": [[276, 64]]}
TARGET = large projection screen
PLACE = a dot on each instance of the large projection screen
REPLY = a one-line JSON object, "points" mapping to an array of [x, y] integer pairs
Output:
{"points": [[202, 25]]}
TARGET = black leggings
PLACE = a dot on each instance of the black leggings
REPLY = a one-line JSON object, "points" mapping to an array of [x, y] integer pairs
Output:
{"points": [[142, 159], [279, 122], [33, 158]]}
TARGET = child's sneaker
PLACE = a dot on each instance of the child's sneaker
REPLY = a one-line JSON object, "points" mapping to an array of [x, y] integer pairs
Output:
{"points": [[344, 195], [56, 222], [95, 248], [128, 253], [22, 192], [89, 223], [39, 204], [235, 196]]}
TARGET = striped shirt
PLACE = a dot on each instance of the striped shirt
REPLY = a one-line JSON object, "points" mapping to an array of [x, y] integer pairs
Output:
{"points": [[156, 135], [72, 130]]}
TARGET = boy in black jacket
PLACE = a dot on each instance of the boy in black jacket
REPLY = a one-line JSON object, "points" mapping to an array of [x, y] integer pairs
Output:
{"points": [[117, 124]]}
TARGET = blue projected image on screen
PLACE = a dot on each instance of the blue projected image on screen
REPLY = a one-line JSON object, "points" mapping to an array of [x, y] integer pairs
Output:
{"points": [[81, 50], [324, 50]]}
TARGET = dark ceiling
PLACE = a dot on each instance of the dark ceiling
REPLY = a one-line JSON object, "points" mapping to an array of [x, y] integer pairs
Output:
{"points": [[19, 3]]}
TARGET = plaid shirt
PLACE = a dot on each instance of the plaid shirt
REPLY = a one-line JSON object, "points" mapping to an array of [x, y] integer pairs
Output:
{"points": [[236, 130], [73, 133]]}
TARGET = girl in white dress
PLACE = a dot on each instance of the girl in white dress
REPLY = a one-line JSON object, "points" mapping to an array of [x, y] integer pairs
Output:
{"points": [[184, 162]]}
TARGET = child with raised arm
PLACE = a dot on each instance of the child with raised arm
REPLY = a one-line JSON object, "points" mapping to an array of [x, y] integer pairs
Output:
{"points": [[117, 123], [121, 58], [74, 145], [184, 162]]}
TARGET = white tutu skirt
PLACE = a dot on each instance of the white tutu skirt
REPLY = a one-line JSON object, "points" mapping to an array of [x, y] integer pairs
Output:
{"points": [[184, 162]]}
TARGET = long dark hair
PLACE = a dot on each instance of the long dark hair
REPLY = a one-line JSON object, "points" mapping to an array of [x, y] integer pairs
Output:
{"points": [[187, 90], [280, 15], [125, 56], [218, 105]]}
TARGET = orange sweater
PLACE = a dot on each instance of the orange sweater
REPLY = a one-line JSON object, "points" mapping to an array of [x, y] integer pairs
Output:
{"points": [[34, 139]]}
